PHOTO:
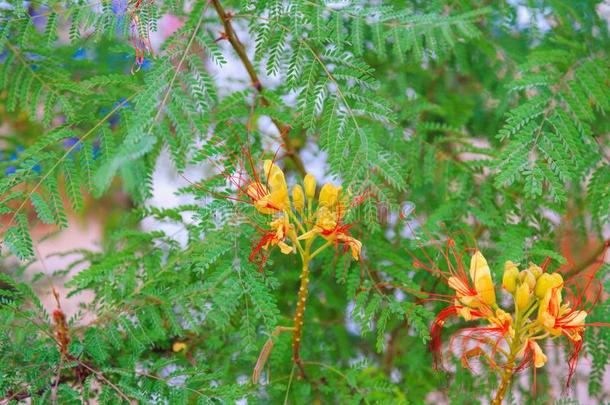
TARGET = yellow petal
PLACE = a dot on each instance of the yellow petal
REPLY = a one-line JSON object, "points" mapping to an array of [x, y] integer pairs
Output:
{"points": [[478, 265], [310, 186], [279, 199], [262, 206], [256, 191], [480, 274], [285, 248], [275, 175], [503, 317], [326, 219], [356, 247], [539, 356], [464, 312], [329, 195], [457, 285], [577, 319]]}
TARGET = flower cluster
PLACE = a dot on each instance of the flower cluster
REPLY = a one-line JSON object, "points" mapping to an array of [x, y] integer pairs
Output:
{"points": [[297, 218], [509, 341]]}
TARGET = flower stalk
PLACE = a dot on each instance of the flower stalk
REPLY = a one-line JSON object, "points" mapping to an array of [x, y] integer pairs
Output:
{"points": [[295, 229], [545, 307]]}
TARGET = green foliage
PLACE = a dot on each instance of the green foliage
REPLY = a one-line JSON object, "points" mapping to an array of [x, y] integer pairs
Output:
{"points": [[439, 118]]}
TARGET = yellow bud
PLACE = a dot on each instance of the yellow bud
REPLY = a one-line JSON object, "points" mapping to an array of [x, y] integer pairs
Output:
{"points": [[542, 285], [310, 186], [535, 269], [298, 199], [509, 279], [522, 296], [178, 346], [528, 277], [547, 281], [329, 195]]}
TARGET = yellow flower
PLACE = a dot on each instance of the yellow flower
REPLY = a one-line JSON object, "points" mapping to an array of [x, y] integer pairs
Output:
{"points": [[481, 276], [509, 279], [178, 346], [558, 318], [298, 198], [329, 227], [310, 186], [326, 221], [259, 195], [522, 296], [329, 195], [283, 229], [273, 199], [538, 357]]}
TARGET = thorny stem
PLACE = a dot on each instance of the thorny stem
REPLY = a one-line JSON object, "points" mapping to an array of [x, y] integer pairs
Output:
{"points": [[299, 313], [506, 380], [297, 328], [239, 48]]}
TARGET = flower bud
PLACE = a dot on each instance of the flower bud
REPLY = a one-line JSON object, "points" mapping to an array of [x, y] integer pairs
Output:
{"points": [[528, 277], [543, 285], [535, 269], [310, 186], [546, 282], [329, 195], [298, 198], [509, 279], [522, 296]]}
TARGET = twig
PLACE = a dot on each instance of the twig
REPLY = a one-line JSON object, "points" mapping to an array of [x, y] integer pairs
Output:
{"points": [[239, 48]]}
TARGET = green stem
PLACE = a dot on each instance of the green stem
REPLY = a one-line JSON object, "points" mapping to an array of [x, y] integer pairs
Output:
{"points": [[320, 249]]}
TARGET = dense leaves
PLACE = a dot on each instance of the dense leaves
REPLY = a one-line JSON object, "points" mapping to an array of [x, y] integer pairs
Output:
{"points": [[485, 123]]}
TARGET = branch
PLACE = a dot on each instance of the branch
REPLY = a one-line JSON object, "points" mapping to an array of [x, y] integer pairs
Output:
{"points": [[231, 36]]}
